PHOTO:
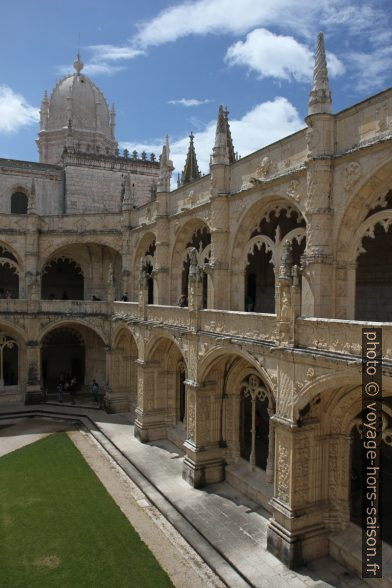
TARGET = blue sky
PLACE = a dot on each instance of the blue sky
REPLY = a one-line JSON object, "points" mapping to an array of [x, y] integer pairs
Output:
{"points": [[168, 65]]}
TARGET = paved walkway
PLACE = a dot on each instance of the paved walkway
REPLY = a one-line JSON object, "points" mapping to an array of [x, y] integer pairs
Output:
{"points": [[226, 528]]}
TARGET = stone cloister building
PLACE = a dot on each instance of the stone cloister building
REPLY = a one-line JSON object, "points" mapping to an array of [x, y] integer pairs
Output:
{"points": [[282, 257]]}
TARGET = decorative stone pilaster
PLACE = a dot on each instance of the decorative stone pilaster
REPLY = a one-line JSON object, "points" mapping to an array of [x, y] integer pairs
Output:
{"points": [[218, 293], [34, 391], [161, 270], [195, 282], [143, 290], [110, 284], [287, 298], [203, 462], [270, 469], [338, 455], [296, 532], [150, 422], [31, 288]]}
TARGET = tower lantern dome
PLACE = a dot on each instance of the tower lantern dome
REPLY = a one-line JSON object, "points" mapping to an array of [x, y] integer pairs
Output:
{"points": [[78, 114]]}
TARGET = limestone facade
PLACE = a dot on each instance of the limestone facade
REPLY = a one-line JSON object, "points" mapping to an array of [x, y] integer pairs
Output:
{"points": [[282, 255]]}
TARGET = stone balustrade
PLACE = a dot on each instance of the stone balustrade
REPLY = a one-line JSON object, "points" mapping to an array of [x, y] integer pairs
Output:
{"points": [[57, 307], [238, 324], [168, 315], [339, 336]]}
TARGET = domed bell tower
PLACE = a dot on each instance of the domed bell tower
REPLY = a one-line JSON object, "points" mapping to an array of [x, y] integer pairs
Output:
{"points": [[75, 117]]}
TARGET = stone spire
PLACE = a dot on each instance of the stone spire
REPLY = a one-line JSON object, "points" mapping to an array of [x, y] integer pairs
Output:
{"points": [[223, 150], [191, 170], [320, 95], [166, 168], [230, 146]]}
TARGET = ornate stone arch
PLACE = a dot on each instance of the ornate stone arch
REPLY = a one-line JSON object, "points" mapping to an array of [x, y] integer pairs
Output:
{"points": [[153, 344], [73, 322], [54, 259], [338, 417], [119, 330], [184, 235], [372, 189], [321, 386], [381, 219], [144, 245], [15, 331], [10, 252], [219, 351], [12, 277], [247, 237], [122, 369]]}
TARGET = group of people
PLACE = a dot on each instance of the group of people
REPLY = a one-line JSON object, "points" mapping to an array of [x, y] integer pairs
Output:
{"points": [[5, 294], [68, 384]]}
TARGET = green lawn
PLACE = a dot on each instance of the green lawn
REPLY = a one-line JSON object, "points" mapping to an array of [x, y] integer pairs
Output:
{"points": [[59, 527]]}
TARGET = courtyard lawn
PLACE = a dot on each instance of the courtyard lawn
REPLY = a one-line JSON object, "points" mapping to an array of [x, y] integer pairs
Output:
{"points": [[59, 526]]}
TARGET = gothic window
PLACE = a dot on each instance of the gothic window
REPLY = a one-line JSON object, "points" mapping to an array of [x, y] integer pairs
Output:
{"points": [[254, 425], [8, 361], [62, 279], [9, 275], [201, 241], [373, 300], [264, 239], [19, 202]]}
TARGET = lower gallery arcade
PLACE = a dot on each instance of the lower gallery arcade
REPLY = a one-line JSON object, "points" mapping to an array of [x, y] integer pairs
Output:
{"points": [[236, 413]]}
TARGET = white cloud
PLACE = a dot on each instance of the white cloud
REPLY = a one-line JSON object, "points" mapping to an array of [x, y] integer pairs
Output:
{"points": [[265, 123], [277, 56], [372, 70], [226, 16], [15, 112], [189, 101], [113, 53], [103, 60]]}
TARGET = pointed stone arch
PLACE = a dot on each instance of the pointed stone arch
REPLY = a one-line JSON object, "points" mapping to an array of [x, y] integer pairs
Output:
{"points": [[122, 371], [145, 256], [158, 395], [187, 237], [257, 244]]}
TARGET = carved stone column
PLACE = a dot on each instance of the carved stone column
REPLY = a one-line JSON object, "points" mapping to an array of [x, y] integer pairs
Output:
{"points": [[143, 291], [270, 469], [338, 451], [150, 422], [34, 393], [317, 261], [195, 283], [203, 462], [218, 292], [296, 532], [161, 269], [31, 288]]}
